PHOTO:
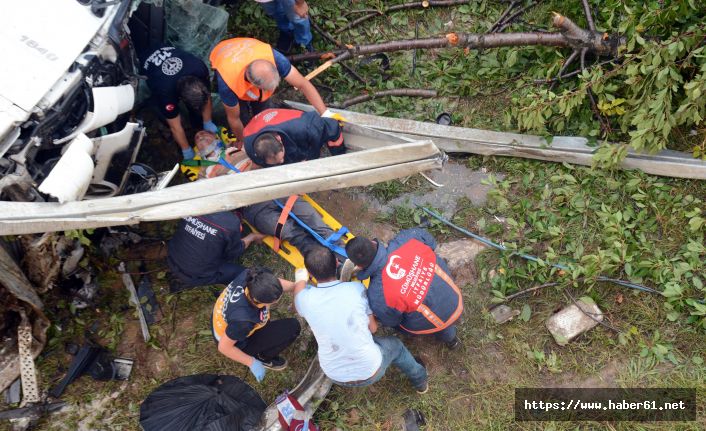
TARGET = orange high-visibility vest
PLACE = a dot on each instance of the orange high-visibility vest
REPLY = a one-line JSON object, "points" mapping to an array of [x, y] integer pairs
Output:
{"points": [[231, 58]]}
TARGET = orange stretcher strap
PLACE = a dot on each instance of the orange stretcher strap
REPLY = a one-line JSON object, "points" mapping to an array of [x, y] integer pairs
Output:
{"points": [[282, 220], [439, 325]]}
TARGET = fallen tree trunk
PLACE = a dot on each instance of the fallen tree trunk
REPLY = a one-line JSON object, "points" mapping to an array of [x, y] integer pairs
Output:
{"points": [[570, 35]]}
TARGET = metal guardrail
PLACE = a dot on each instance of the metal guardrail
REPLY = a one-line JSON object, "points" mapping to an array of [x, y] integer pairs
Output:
{"points": [[569, 149]]}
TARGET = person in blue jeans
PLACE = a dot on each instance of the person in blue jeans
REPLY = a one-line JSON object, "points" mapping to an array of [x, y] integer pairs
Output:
{"points": [[292, 21], [343, 325]]}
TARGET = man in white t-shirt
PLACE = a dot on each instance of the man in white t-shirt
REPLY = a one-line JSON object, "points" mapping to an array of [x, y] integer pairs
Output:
{"points": [[343, 324]]}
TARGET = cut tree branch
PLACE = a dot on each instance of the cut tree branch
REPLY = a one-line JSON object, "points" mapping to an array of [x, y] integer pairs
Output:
{"points": [[338, 44], [565, 66], [570, 35], [408, 92], [589, 15], [509, 20], [501, 20], [415, 5]]}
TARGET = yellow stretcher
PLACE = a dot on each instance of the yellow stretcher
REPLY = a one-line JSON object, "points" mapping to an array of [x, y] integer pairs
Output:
{"points": [[290, 253], [286, 250]]}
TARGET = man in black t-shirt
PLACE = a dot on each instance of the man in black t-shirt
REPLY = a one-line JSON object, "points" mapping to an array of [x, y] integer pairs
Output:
{"points": [[241, 321], [203, 249], [174, 75]]}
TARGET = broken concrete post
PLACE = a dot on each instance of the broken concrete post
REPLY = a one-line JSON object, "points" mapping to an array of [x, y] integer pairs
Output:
{"points": [[571, 322], [503, 313], [460, 253]]}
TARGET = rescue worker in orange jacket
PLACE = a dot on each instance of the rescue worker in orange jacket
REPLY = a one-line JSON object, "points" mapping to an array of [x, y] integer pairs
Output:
{"points": [[248, 72]]}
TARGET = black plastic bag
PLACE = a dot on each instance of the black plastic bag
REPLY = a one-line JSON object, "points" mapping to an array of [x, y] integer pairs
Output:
{"points": [[202, 402]]}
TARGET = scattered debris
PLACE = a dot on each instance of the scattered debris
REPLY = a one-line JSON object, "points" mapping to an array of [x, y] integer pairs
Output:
{"points": [[82, 287], [117, 238], [134, 299], [148, 300], [123, 368], [444, 119], [572, 321], [413, 419], [28, 372], [33, 412], [81, 362], [97, 361], [12, 393], [460, 253], [73, 259], [503, 313], [17, 296]]}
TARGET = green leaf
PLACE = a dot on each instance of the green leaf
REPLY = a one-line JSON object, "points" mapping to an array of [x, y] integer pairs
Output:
{"points": [[695, 223], [526, 313], [672, 290], [673, 315], [587, 299], [511, 59]]}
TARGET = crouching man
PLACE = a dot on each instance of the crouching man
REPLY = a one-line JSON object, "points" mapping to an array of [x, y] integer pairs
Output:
{"points": [[282, 136], [204, 248], [242, 326], [410, 288], [343, 325]]}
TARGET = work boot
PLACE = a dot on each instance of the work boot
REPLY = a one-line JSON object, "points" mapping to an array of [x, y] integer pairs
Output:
{"points": [[347, 269], [277, 363], [285, 42], [453, 344]]}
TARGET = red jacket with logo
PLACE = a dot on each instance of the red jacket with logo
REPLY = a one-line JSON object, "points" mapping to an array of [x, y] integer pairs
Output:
{"points": [[410, 286]]}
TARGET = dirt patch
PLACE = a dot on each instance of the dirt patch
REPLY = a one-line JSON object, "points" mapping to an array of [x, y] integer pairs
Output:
{"points": [[355, 212], [457, 181], [604, 378], [133, 346], [146, 251]]}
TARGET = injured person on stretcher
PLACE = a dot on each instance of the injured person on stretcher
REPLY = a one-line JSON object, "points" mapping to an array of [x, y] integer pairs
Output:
{"points": [[292, 220]]}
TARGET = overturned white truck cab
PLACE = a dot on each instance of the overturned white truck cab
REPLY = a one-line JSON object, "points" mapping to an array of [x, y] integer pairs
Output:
{"points": [[67, 81]]}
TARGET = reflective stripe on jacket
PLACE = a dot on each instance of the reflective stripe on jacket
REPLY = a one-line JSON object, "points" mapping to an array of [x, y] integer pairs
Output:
{"points": [[421, 275]]}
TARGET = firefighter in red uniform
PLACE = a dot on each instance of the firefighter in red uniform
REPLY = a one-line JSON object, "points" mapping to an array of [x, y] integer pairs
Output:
{"points": [[410, 287], [282, 136]]}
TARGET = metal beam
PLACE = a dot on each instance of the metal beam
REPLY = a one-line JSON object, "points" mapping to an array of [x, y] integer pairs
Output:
{"points": [[568, 149], [391, 160]]}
